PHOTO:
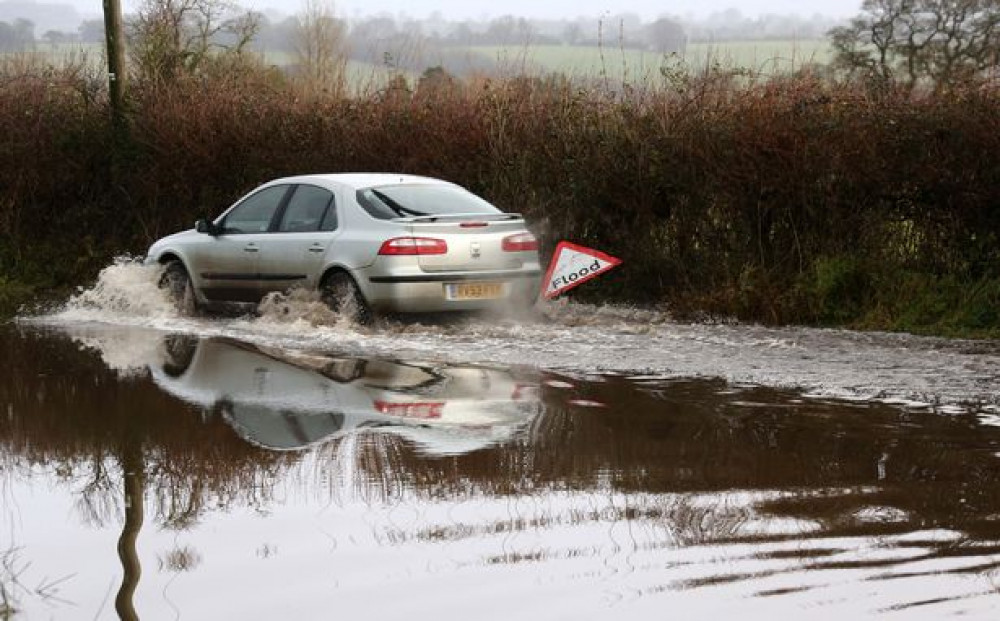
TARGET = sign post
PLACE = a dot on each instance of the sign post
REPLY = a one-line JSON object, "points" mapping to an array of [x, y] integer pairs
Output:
{"points": [[574, 265]]}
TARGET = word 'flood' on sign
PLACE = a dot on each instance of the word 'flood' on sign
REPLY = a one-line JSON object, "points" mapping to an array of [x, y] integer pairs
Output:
{"points": [[574, 265]]}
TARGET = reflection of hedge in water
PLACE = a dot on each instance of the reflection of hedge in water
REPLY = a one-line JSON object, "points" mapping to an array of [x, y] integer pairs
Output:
{"points": [[790, 200], [70, 413], [939, 470]]}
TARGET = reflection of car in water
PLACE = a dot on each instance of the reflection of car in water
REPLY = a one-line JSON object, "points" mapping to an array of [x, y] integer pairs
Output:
{"points": [[286, 400]]}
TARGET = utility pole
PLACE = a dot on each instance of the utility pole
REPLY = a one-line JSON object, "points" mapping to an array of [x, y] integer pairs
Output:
{"points": [[116, 62]]}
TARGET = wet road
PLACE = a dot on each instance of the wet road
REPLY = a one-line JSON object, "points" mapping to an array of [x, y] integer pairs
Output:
{"points": [[583, 340], [596, 464]]}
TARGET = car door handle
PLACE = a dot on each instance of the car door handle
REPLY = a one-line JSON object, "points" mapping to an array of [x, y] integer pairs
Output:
{"points": [[250, 248], [317, 249]]}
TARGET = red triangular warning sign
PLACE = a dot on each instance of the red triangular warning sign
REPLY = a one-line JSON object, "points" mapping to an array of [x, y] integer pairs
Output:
{"points": [[573, 265]]}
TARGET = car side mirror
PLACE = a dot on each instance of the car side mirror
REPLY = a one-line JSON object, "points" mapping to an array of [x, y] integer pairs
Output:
{"points": [[204, 226]]}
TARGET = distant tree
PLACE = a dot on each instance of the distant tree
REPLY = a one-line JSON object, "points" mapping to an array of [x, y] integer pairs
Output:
{"points": [[626, 28], [172, 37], [92, 31], [434, 80], [321, 46], [277, 36], [24, 33], [56, 37], [572, 33], [462, 34], [909, 42], [508, 30], [18, 36], [665, 35], [374, 29]]}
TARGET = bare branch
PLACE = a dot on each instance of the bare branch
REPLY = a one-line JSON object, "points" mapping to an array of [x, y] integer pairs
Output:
{"points": [[938, 43]]}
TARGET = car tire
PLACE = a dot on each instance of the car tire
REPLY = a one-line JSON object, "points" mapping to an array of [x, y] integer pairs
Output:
{"points": [[177, 283], [345, 371], [179, 350], [342, 295]]}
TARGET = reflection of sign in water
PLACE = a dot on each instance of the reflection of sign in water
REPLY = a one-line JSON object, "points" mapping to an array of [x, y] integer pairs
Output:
{"points": [[573, 265]]}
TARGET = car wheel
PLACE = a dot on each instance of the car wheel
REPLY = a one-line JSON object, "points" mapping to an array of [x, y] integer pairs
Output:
{"points": [[345, 371], [342, 295], [177, 283], [179, 350]]}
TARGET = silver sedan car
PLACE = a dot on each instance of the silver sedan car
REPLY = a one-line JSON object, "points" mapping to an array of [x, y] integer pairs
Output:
{"points": [[368, 242]]}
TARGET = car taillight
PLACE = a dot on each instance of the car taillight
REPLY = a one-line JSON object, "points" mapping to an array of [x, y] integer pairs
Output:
{"points": [[519, 243], [473, 225], [413, 245], [523, 392], [422, 410]]}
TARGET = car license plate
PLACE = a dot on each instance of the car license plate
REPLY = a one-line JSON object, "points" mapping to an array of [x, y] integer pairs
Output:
{"points": [[474, 290]]}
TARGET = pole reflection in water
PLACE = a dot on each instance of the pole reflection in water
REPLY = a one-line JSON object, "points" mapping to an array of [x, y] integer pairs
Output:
{"points": [[132, 472], [308, 482]]}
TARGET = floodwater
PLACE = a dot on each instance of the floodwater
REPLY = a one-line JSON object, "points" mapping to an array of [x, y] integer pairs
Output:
{"points": [[582, 463]]}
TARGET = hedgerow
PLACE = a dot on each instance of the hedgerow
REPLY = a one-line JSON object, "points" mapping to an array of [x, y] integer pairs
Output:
{"points": [[792, 199]]}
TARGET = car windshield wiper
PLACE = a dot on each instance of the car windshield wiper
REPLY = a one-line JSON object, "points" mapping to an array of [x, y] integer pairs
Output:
{"points": [[396, 207]]}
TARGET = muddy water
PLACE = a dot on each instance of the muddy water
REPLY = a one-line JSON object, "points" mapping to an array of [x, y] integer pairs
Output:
{"points": [[582, 463]]}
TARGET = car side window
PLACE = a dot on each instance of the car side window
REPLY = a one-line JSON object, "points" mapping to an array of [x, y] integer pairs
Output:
{"points": [[306, 210], [330, 222], [255, 213]]}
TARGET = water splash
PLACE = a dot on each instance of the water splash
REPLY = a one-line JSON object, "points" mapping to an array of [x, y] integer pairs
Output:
{"points": [[582, 338], [297, 308], [126, 289], [126, 352]]}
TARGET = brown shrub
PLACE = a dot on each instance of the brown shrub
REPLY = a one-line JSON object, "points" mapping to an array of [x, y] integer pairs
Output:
{"points": [[722, 196]]}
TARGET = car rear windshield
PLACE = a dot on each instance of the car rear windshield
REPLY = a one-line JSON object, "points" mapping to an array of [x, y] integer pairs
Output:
{"points": [[405, 201]]}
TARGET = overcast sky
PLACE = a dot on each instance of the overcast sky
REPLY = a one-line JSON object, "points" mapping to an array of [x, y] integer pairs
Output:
{"points": [[465, 9]]}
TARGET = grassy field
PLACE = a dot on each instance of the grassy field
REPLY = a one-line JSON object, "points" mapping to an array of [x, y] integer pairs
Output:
{"points": [[360, 75], [62, 55], [764, 57], [618, 65]]}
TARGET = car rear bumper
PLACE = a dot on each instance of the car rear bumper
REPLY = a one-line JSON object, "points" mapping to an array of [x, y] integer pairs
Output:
{"points": [[429, 292]]}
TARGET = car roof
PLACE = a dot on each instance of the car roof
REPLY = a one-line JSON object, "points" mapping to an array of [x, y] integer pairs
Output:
{"points": [[357, 181]]}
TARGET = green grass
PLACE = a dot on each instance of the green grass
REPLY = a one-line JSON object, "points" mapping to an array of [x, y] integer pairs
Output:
{"points": [[768, 57], [765, 57], [610, 62], [360, 75], [64, 53]]}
